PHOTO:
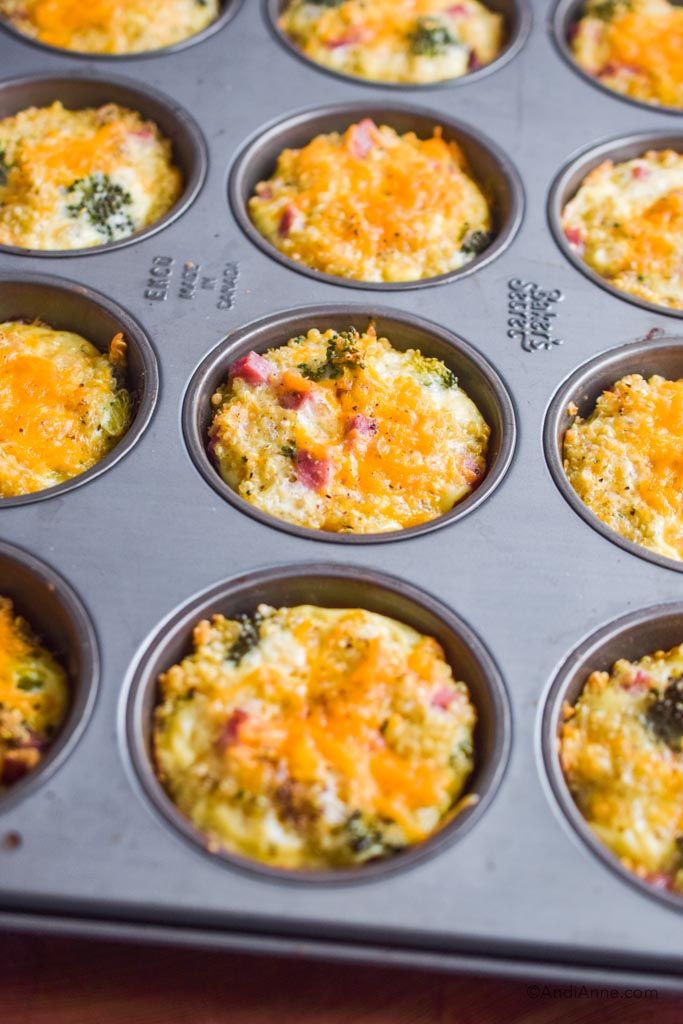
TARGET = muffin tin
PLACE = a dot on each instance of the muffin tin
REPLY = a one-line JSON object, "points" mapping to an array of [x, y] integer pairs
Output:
{"points": [[512, 584]]}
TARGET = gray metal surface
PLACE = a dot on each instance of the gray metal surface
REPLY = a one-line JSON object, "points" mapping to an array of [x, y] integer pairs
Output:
{"points": [[518, 892]]}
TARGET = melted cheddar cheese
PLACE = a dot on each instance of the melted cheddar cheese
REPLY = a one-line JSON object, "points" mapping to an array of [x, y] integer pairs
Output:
{"points": [[412, 41], [62, 407], [314, 737], [71, 179], [626, 222], [33, 696], [348, 434], [634, 47], [109, 26], [373, 205], [620, 750], [626, 461]]}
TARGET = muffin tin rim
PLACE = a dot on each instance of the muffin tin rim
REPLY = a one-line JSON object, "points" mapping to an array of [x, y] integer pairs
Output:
{"points": [[196, 445], [556, 409], [281, 125], [548, 720], [146, 409], [577, 163], [80, 709], [139, 764], [230, 9], [511, 49], [564, 13], [185, 122]]}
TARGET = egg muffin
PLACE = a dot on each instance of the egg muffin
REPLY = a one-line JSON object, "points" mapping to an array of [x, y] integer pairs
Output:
{"points": [[373, 205], [73, 179], [313, 737], [626, 223], [340, 431], [409, 41], [34, 696], [63, 405], [625, 461], [620, 750], [633, 47], [109, 26]]}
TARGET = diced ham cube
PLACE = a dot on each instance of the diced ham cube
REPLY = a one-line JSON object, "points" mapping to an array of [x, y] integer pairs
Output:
{"points": [[362, 137], [473, 62], [640, 172], [443, 697], [640, 683], [459, 10], [252, 368], [362, 425], [659, 879], [313, 472], [295, 399], [574, 237], [354, 34], [230, 733], [14, 766], [290, 216]]}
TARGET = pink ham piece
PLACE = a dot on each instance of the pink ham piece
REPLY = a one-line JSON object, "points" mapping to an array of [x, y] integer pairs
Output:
{"points": [[574, 237], [362, 425], [295, 399], [14, 767], [312, 472], [252, 369], [659, 879], [458, 10], [473, 62], [355, 34], [288, 219], [639, 684], [362, 137], [443, 698], [640, 172], [230, 733]]}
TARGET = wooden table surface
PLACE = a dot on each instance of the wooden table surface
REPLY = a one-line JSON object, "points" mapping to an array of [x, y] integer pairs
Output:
{"points": [[64, 981]]}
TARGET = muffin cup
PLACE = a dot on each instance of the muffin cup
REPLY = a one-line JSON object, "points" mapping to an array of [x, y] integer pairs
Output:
{"points": [[655, 354], [229, 9], [564, 16], [67, 306], [632, 637], [337, 586], [475, 374], [78, 92], [516, 13], [57, 616], [570, 179], [491, 169]]}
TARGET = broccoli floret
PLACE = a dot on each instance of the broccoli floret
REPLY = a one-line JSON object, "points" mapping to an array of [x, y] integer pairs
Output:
{"points": [[342, 352], [4, 168], [433, 371], [430, 38], [362, 839], [477, 242], [289, 451], [666, 715], [250, 635], [103, 202], [608, 9]]}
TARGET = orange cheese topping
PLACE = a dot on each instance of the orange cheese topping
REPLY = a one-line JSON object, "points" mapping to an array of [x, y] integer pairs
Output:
{"points": [[626, 461], [61, 406], [329, 738], [373, 205], [33, 696], [634, 47], [395, 441], [109, 26]]}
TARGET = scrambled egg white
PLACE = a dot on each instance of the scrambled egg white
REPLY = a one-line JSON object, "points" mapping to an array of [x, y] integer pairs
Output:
{"points": [[314, 737], [71, 179], [34, 696], [626, 461], [626, 222], [412, 41], [373, 205], [634, 47], [109, 26], [342, 432], [620, 749], [62, 405]]}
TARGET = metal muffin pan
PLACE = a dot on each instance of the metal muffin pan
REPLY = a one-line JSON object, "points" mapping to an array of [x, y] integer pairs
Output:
{"points": [[516, 14], [78, 91], [659, 355], [572, 175], [475, 375], [58, 618], [512, 893], [489, 166], [330, 586], [228, 10], [563, 17], [633, 636], [67, 306]]}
